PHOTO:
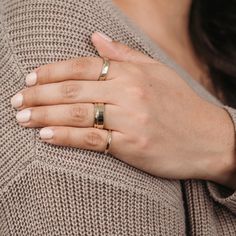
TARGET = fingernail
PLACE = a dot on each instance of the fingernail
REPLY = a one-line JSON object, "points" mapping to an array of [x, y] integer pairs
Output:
{"points": [[31, 79], [23, 116], [104, 36], [46, 133], [17, 100]]}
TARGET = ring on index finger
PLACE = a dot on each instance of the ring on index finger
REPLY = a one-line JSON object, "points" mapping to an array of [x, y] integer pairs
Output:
{"points": [[105, 69]]}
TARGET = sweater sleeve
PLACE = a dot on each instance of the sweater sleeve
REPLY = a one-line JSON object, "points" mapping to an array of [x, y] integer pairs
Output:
{"points": [[219, 193]]}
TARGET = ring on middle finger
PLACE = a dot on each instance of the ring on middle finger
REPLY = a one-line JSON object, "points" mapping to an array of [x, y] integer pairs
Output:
{"points": [[99, 109]]}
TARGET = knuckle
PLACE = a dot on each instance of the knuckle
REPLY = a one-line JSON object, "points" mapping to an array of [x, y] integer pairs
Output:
{"points": [[31, 96], [69, 90], [133, 69], [42, 117], [143, 119], [127, 51], [138, 92], [143, 143], [46, 71], [65, 137], [92, 139], [79, 113], [78, 65]]}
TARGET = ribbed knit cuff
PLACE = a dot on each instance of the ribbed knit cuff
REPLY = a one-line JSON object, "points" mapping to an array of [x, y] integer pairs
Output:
{"points": [[223, 195], [219, 193]]}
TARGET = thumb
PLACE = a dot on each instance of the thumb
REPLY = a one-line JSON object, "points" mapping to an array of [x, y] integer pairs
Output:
{"points": [[106, 47]]}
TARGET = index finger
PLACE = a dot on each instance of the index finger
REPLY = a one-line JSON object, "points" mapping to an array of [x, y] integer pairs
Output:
{"points": [[83, 68]]}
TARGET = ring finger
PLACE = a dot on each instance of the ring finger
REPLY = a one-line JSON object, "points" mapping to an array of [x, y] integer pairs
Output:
{"points": [[85, 138]]}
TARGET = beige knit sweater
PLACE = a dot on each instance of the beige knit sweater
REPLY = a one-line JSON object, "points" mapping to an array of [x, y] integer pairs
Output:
{"points": [[49, 190]]}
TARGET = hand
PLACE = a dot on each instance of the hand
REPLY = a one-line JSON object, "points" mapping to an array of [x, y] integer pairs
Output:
{"points": [[159, 124]]}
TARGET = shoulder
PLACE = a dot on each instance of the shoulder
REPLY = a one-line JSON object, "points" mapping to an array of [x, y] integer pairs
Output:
{"points": [[57, 29]]}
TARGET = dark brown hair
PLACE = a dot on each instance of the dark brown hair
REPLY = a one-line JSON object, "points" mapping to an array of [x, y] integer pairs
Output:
{"points": [[212, 28]]}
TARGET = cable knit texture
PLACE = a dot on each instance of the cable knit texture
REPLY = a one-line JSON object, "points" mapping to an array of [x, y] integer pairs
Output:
{"points": [[51, 190]]}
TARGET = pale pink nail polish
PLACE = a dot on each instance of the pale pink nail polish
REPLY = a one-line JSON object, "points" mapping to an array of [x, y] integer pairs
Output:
{"points": [[31, 79], [104, 36], [46, 133], [17, 100], [23, 116]]}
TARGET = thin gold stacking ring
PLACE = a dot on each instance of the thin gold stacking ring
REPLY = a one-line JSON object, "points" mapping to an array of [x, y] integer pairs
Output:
{"points": [[109, 138], [99, 109], [105, 69]]}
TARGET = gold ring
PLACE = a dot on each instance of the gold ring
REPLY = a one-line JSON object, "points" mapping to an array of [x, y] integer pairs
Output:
{"points": [[109, 137], [99, 109], [105, 69]]}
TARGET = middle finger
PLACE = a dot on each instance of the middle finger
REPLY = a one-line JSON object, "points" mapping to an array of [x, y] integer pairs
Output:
{"points": [[74, 115]]}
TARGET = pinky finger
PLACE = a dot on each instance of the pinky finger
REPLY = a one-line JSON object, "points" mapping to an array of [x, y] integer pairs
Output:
{"points": [[84, 138]]}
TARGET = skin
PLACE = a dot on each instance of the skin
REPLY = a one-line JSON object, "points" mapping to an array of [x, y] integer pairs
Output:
{"points": [[159, 124], [171, 17]]}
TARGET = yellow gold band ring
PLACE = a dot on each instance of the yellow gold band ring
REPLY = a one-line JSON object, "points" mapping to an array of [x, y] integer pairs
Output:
{"points": [[99, 109], [109, 138], [105, 69]]}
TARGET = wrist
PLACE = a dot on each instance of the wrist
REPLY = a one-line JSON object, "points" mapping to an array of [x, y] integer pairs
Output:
{"points": [[222, 167], [224, 172]]}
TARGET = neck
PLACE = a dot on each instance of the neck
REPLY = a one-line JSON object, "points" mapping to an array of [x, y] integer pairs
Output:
{"points": [[172, 15], [166, 23]]}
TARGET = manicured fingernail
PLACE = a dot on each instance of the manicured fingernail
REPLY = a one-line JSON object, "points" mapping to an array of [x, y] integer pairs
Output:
{"points": [[46, 133], [31, 79], [23, 116], [17, 100], [104, 36]]}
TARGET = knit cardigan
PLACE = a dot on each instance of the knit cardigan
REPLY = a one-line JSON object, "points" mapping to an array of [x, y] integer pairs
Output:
{"points": [[52, 190]]}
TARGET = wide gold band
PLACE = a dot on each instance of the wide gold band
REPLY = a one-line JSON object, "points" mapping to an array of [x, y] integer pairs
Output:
{"points": [[109, 138], [105, 69], [99, 109]]}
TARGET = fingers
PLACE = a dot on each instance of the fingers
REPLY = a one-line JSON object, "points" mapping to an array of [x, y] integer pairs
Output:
{"points": [[88, 68], [117, 51], [74, 115], [84, 68], [64, 93], [84, 138]]}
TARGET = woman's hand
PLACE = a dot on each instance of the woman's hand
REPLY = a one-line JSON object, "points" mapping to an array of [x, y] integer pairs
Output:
{"points": [[159, 124]]}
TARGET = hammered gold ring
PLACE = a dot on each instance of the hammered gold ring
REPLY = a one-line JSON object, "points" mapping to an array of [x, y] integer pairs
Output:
{"points": [[105, 69], [99, 109]]}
